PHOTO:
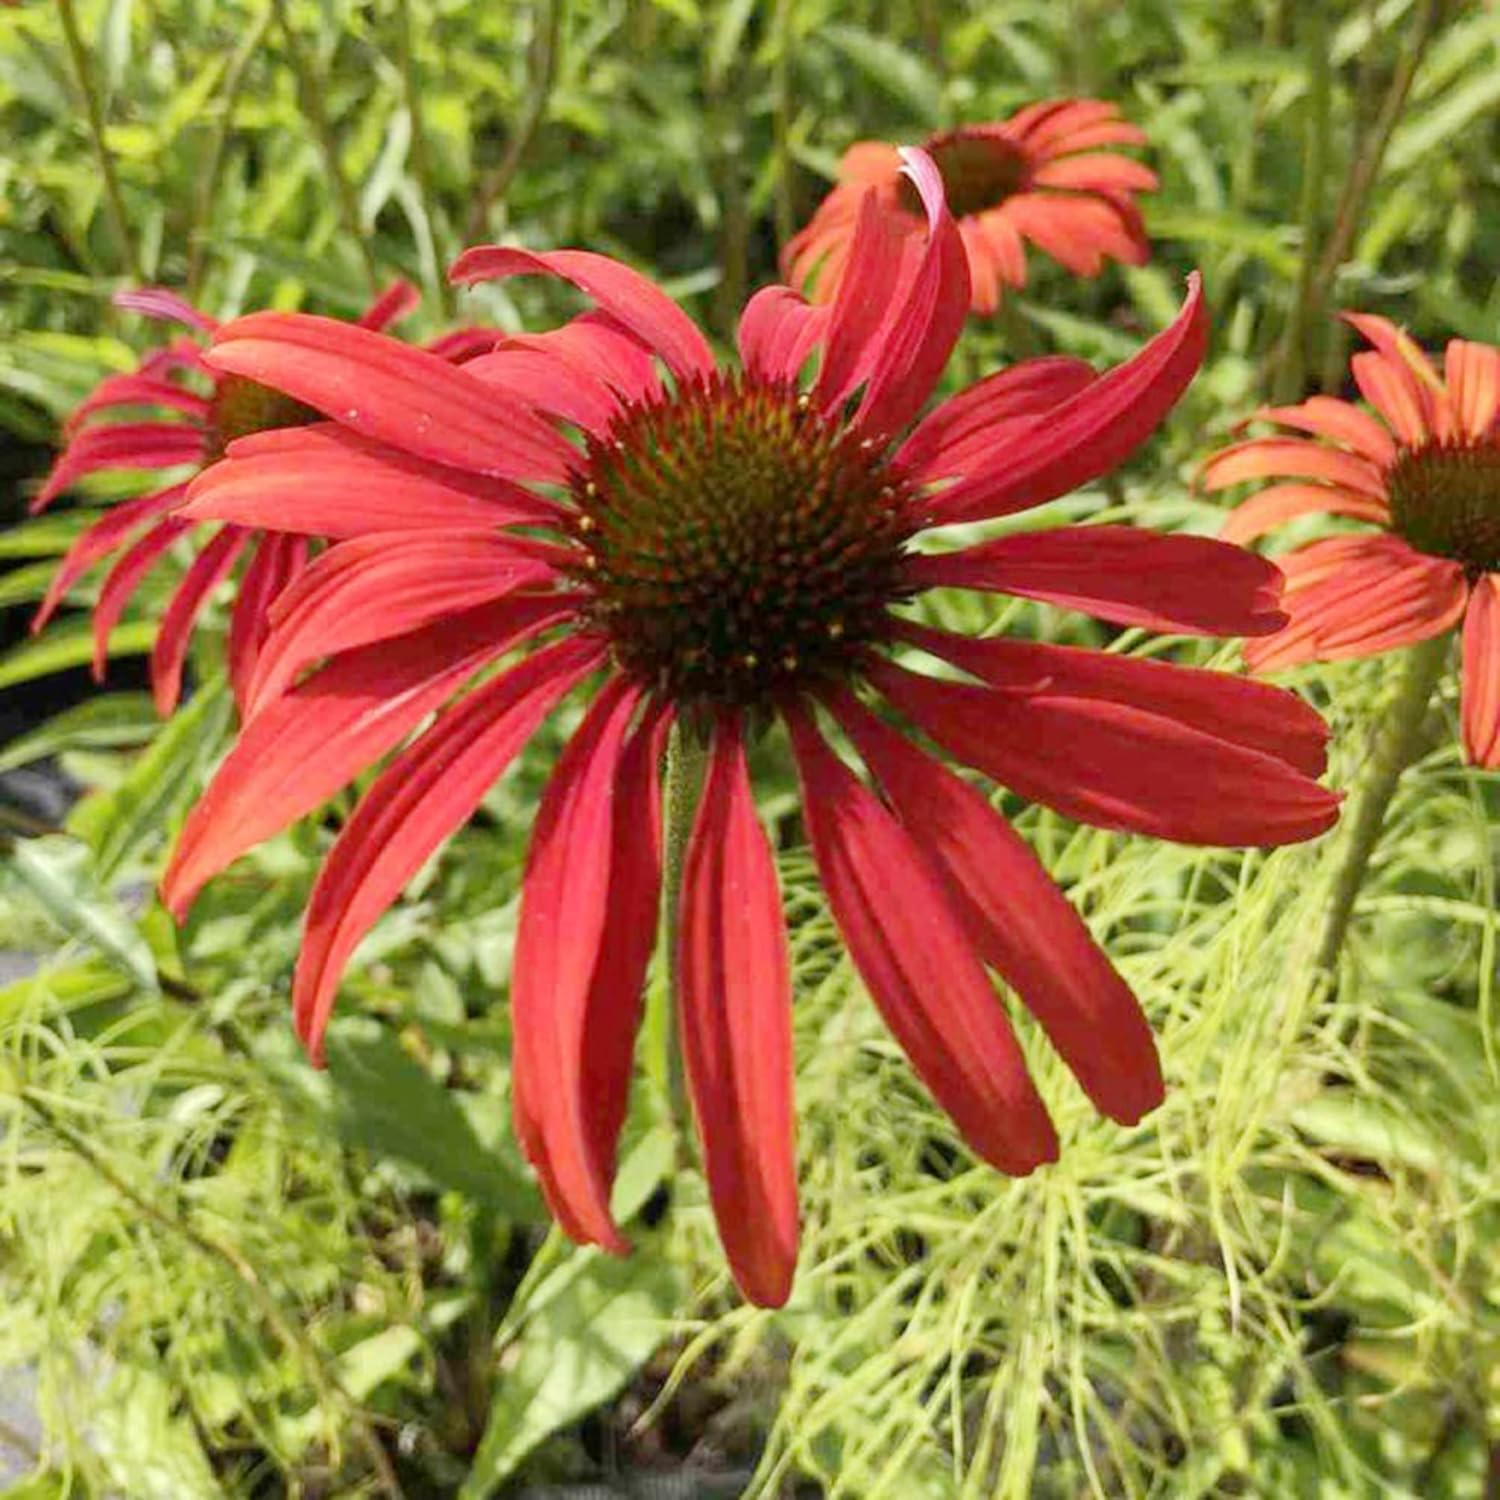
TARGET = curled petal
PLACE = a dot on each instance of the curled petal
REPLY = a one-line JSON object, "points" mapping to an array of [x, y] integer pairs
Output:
{"points": [[777, 332], [1481, 680], [158, 302], [912, 951], [389, 391], [428, 792], [634, 302], [735, 1007], [1190, 584]]}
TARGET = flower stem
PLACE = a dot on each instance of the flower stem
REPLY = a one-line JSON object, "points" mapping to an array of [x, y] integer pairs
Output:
{"points": [[94, 111], [421, 155], [1399, 746], [310, 97], [785, 203]]}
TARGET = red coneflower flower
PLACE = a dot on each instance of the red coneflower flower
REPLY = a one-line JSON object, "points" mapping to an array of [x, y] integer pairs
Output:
{"points": [[199, 413], [1428, 473], [728, 548], [1038, 176]]}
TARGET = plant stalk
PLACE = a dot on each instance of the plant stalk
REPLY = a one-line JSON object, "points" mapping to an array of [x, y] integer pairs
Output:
{"points": [[1400, 744], [94, 111], [421, 155]]}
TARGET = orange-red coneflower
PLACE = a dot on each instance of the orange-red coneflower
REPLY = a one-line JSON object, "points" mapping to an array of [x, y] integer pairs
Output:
{"points": [[1044, 177], [720, 549], [1425, 469]]}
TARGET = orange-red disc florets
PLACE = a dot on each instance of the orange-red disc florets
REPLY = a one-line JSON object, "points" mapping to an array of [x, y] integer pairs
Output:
{"points": [[1445, 501], [736, 543]]}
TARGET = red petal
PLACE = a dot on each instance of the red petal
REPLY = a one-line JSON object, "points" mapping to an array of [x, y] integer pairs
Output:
{"points": [[137, 389], [158, 302], [374, 587], [1339, 420], [777, 332], [426, 794], [398, 299], [961, 432], [927, 321], [208, 570], [306, 746], [1190, 584], [325, 481], [1090, 434], [1280, 503], [626, 295], [565, 903], [1116, 765], [1481, 681], [277, 561], [734, 1011], [1096, 171], [912, 951], [386, 390], [132, 445], [1232, 709], [122, 581], [1473, 374], [1389, 386], [1021, 921], [1277, 458]]}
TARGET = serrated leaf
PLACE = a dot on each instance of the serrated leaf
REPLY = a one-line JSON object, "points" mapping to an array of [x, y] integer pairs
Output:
{"points": [[387, 1103], [576, 1353]]}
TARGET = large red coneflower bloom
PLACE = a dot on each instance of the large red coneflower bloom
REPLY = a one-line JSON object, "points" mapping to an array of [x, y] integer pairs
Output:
{"points": [[727, 548], [197, 412], [1039, 176], [1425, 469]]}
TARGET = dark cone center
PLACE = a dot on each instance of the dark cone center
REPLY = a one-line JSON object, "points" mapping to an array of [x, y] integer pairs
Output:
{"points": [[736, 544], [1446, 502], [979, 171], [241, 406]]}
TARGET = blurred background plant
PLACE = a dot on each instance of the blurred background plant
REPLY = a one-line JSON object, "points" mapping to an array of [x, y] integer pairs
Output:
{"points": [[228, 1275]]}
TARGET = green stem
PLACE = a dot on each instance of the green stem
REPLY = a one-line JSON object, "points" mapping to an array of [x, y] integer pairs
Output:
{"points": [[208, 179], [781, 122], [546, 37], [421, 156], [310, 99], [94, 111], [1291, 365], [1400, 744]]}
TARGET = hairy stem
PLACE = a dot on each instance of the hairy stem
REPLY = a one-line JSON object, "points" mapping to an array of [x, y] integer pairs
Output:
{"points": [[421, 155], [545, 41], [310, 99], [94, 111], [208, 178], [1399, 745]]}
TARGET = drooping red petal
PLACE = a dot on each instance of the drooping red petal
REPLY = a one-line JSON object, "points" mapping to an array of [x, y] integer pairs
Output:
{"points": [[565, 899], [99, 540], [1116, 765], [1323, 416], [915, 957], [326, 481], [1080, 232], [1352, 596], [626, 295], [778, 330], [1191, 584], [1096, 171], [1021, 921], [124, 579], [425, 795], [130, 445], [955, 436], [206, 572], [398, 299], [1292, 458], [136, 389], [734, 1011], [389, 391], [277, 561], [158, 302], [1272, 507], [928, 319], [388, 584], [1233, 709], [1481, 675], [1089, 434], [306, 746]]}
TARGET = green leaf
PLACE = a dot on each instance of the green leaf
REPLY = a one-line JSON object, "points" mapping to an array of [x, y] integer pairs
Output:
{"points": [[1446, 122], [56, 871], [890, 67], [729, 32], [73, 987], [70, 643], [386, 1102], [107, 723], [46, 536], [576, 1353]]}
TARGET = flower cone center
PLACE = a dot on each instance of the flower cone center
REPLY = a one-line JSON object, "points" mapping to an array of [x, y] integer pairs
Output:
{"points": [[735, 543], [241, 406], [980, 170], [1446, 502]]}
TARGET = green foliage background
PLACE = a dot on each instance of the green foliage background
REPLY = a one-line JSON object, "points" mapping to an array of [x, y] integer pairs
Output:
{"points": [[231, 1276]]}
